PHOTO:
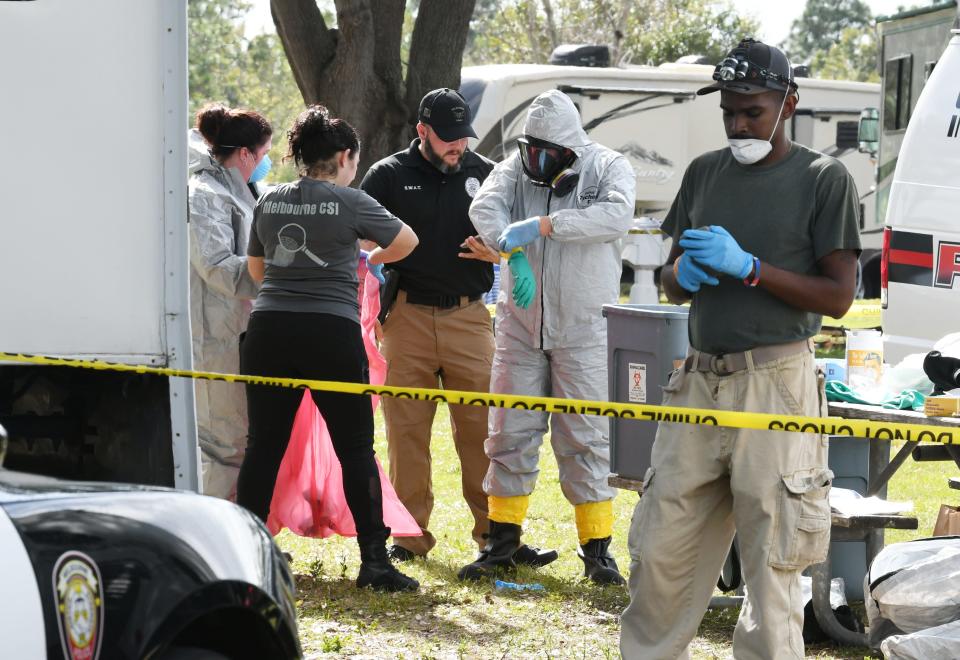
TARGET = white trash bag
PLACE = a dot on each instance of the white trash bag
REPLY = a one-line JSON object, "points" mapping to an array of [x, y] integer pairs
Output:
{"points": [[939, 643], [913, 586]]}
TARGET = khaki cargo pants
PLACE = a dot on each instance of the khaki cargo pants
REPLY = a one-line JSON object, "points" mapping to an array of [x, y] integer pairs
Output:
{"points": [[704, 484], [428, 347]]}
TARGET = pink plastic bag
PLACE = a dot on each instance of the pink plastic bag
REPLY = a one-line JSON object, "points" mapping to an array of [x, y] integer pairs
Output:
{"points": [[308, 498]]}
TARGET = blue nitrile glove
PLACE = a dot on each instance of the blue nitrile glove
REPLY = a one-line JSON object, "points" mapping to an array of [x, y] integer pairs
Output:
{"points": [[715, 248], [519, 234], [375, 269], [524, 286], [690, 276]]}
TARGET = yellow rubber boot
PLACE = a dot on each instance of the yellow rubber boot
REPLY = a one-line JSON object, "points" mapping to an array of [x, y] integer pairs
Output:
{"points": [[595, 531], [594, 520], [511, 510]]}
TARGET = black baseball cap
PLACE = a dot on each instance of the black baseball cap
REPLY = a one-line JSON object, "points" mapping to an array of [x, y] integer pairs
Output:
{"points": [[447, 113], [767, 68]]}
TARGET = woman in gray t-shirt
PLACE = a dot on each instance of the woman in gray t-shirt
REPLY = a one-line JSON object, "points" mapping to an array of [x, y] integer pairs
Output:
{"points": [[306, 324]]}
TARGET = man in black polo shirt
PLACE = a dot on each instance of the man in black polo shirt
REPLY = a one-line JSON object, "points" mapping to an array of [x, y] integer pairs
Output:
{"points": [[438, 331]]}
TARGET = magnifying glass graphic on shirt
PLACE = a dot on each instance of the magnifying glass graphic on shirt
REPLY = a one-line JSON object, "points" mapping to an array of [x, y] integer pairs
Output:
{"points": [[293, 238]]}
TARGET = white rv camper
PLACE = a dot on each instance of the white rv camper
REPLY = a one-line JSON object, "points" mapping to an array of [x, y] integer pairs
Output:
{"points": [[653, 116], [93, 255]]}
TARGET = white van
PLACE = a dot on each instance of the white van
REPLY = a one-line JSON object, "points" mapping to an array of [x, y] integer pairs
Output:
{"points": [[920, 270]]}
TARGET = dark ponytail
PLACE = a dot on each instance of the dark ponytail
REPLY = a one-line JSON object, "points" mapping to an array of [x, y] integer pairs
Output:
{"points": [[315, 139], [226, 129]]}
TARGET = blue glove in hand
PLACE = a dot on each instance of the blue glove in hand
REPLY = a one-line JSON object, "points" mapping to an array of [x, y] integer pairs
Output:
{"points": [[715, 248], [524, 286], [375, 269], [519, 234], [690, 276]]}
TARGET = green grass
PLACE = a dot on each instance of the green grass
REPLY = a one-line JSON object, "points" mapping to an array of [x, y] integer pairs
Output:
{"points": [[571, 619]]}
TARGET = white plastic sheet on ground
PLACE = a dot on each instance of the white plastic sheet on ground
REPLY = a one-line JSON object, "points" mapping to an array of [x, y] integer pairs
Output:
{"points": [[913, 586], [939, 643]]}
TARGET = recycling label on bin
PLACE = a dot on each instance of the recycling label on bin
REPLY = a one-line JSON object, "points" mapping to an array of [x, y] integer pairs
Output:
{"points": [[638, 382]]}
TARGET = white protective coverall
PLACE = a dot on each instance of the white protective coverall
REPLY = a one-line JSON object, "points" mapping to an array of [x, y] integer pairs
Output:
{"points": [[556, 347], [221, 291]]}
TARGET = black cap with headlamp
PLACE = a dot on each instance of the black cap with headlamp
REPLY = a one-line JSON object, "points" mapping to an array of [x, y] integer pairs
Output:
{"points": [[752, 68]]}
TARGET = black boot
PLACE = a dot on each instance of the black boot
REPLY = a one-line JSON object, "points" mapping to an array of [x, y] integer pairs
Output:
{"points": [[527, 555], [598, 563], [376, 570], [502, 542]]}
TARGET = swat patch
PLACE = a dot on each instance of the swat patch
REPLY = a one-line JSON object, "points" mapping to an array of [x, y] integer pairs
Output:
{"points": [[78, 588], [587, 197], [471, 185]]}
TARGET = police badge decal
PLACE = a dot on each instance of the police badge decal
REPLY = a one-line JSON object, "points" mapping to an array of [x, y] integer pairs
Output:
{"points": [[78, 588], [471, 185]]}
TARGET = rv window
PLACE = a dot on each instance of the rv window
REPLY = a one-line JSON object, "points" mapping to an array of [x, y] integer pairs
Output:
{"points": [[472, 91], [896, 92]]}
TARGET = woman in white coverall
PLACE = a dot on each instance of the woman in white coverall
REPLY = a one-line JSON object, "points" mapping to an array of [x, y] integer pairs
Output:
{"points": [[555, 209], [228, 154]]}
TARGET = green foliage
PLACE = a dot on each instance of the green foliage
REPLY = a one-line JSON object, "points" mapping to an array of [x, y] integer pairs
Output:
{"points": [[216, 49], [224, 66], [331, 644], [852, 57], [823, 23], [700, 27], [644, 31]]}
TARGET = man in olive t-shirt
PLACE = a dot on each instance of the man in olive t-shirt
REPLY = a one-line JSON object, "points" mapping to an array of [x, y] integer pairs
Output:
{"points": [[765, 242]]}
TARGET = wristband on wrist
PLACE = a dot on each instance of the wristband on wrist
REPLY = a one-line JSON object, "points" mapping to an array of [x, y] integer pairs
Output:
{"points": [[507, 255], [753, 281]]}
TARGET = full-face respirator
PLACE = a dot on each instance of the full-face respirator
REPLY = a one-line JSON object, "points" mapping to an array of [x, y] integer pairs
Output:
{"points": [[548, 165]]}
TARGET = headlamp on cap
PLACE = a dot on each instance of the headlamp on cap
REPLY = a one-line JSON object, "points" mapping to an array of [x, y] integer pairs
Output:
{"points": [[547, 164], [738, 67]]}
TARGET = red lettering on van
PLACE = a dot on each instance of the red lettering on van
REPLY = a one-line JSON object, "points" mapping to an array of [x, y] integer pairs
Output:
{"points": [[948, 265]]}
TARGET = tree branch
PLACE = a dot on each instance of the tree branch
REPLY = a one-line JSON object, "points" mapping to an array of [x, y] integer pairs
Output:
{"points": [[308, 43], [551, 24], [436, 50], [533, 32]]}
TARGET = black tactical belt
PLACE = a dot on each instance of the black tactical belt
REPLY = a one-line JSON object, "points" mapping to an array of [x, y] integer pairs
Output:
{"points": [[441, 302]]}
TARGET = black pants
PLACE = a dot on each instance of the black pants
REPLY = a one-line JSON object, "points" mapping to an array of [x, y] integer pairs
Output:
{"points": [[321, 347]]}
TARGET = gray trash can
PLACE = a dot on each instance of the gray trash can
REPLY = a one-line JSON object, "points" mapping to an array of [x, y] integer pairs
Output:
{"points": [[850, 460], [643, 344]]}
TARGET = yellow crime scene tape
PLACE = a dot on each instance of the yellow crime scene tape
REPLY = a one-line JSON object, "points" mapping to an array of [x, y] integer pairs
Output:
{"points": [[856, 428], [862, 314]]}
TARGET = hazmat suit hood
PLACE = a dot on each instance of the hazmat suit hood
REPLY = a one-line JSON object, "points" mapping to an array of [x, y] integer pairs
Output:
{"points": [[200, 160], [553, 117], [198, 153]]}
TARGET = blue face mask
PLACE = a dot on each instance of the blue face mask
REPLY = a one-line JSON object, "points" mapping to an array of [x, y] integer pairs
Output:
{"points": [[261, 169]]}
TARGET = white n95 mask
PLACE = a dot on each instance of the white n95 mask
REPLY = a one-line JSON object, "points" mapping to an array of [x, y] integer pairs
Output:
{"points": [[748, 151]]}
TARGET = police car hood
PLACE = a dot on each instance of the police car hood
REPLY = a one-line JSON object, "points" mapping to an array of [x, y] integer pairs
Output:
{"points": [[553, 117]]}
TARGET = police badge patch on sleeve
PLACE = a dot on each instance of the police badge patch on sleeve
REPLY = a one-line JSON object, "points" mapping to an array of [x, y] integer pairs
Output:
{"points": [[78, 588], [472, 185]]}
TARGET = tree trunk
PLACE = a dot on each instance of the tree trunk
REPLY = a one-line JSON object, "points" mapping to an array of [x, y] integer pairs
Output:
{"points": [[355, 69], [533, 32], [551, 25]]}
